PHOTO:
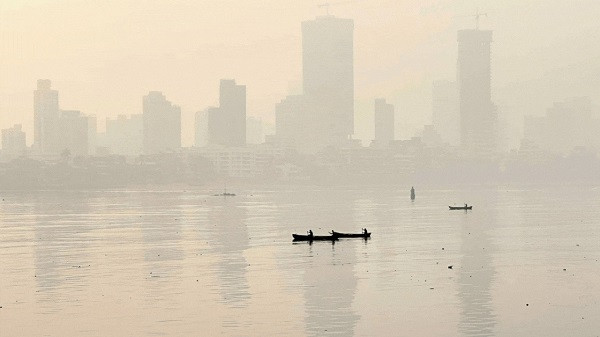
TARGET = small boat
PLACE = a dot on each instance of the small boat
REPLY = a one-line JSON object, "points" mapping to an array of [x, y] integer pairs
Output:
{"points": [[299, 237], [348, 235], [224, 194], [465, 207]]}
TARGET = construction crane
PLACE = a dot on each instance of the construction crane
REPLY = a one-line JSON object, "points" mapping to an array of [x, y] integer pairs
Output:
{"points": [[477, 15], [328, 4]]}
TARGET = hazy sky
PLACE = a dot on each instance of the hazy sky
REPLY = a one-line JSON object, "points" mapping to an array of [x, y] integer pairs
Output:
{"points": [[103, 56]]}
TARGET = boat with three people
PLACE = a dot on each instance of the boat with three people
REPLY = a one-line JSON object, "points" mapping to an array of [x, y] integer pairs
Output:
{"points": [[333, 237]]}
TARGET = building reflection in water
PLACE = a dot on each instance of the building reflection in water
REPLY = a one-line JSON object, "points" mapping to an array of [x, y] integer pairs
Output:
{"points": [[329, 274], [61, 261], [229, 239], [162, 239], [477, 273]]}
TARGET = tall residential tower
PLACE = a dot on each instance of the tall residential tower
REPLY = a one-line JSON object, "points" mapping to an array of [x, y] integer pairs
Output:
{"points": [[478, 118], [384, 123], [227, 123], [328, 80], [45, 117], [162, 124], [446, 119]]}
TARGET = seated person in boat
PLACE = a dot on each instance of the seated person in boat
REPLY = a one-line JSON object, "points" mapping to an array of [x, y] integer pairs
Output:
{"points": [[310, 232], [364, 231]]}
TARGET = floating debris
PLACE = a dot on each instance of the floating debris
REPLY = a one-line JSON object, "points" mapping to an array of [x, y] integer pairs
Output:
{"points": [[450, 267]]}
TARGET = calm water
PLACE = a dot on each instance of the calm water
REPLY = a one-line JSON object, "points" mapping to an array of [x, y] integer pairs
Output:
{"points": [[183, 263]]}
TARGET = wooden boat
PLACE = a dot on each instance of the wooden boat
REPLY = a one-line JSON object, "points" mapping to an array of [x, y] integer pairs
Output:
{"points": [[299, 237], [454, 208], [347, 235]]}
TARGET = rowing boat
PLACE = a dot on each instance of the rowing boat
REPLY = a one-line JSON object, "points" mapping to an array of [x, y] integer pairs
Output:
{"points": [[299, 237], [350, 235], [454, 208]]}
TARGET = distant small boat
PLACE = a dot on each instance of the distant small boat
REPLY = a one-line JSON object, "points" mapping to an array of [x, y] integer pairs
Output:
{"points": [[299, 237], [455, 208], [412, 193], [224, 194], [347, 235]]}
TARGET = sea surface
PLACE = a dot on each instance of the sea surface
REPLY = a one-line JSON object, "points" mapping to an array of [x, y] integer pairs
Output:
{"points": [[177, 262]]}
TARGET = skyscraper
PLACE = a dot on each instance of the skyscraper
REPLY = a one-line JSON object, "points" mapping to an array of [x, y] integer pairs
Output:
{"points": [[227, 123], [290, 115], [232, 103], [328, 78], [45, 117], [162, 124], [125, 136], [74, 133], [446, 119], [216, 126], [384, 122], [478, 118]]}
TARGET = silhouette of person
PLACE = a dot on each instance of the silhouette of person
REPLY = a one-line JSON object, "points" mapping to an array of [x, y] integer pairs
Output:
{"points": [[465, 205], [364, 231], [310, 232]]}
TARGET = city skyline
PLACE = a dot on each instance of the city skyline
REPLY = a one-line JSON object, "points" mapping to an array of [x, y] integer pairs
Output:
{"points": [[162, 159], [323, 115], [424, 30]]}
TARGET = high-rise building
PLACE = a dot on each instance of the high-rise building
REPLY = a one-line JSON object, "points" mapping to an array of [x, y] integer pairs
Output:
{"points": [[73, 128], [446, 119], [232, 102], [430, 136], [566, 126], [384, 122], [324, 114], [478, 117], [217, 126], [328, 79], [289, 121], [45, 117], [13, 142], [227, 123], [124, 136], [162, 124]]}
